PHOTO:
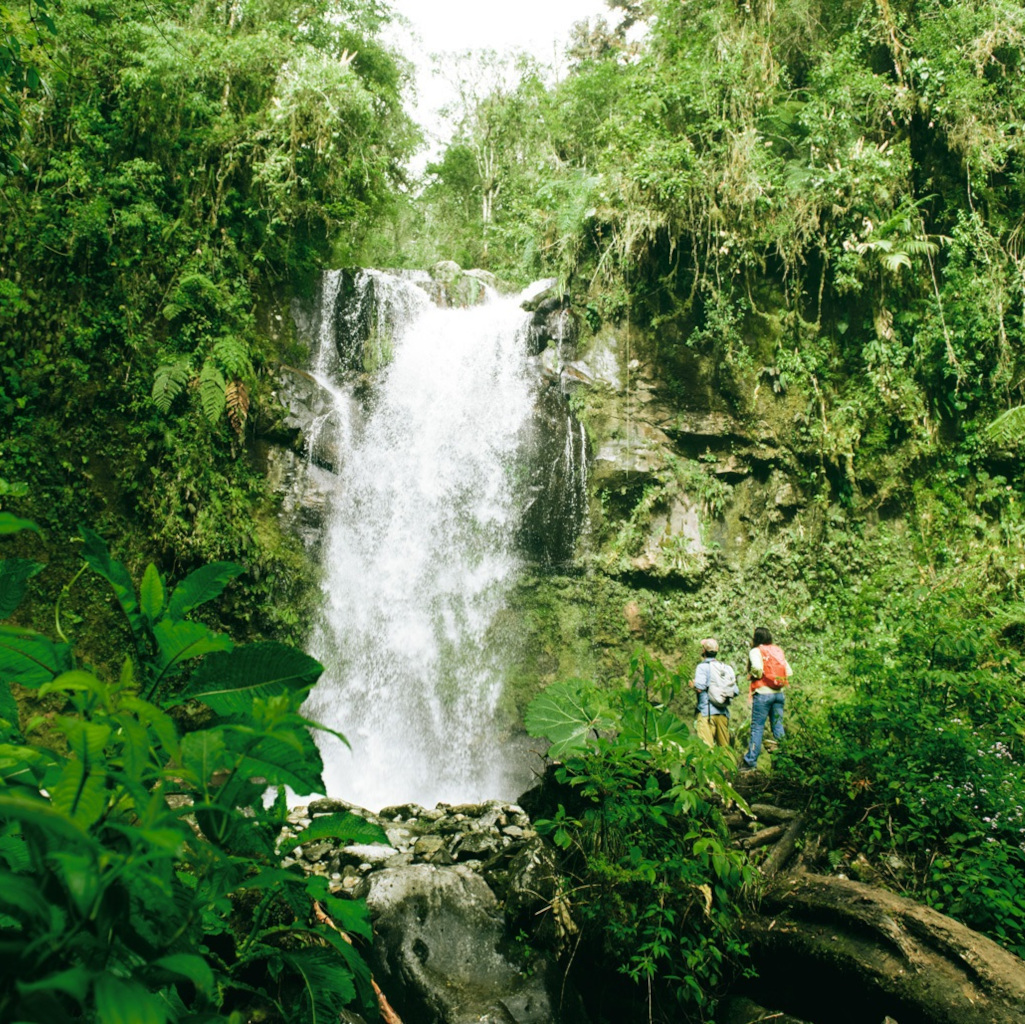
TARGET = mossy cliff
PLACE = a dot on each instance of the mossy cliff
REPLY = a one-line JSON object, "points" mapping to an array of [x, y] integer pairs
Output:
{"points": [[719, 498]]}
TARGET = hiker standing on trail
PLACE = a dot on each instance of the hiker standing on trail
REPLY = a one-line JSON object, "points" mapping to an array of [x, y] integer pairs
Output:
{"points": [[716, 683], [769, 672]]}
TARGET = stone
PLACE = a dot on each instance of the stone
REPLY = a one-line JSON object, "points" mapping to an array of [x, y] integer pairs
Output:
{"points": [[532, 886], [316, 851], [369, 853], [451, 286], [477, 846], [330, 805], [436, 952], [432, 849], [401, 812], [400, 838]]}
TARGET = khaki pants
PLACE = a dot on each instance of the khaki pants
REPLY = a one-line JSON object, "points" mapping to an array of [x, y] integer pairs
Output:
{"points": [[714, 730]]}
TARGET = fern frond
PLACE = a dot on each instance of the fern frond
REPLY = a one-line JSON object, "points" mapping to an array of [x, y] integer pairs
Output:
{"points": [[236, 397], [232, 356], [211, 392], [921, 246], [169, 382], [1008, 427], [893, 261]]}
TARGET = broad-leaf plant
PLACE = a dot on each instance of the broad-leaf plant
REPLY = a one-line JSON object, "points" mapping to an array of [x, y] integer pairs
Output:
{"points": [[141, 818]]}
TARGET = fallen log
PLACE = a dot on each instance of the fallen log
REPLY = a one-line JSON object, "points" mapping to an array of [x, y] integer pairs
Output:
{"points": [[763, 837], [771, 814], [782, 851], [832, 949]]}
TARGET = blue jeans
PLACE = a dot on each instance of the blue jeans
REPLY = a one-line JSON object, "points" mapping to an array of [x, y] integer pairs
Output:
{"points": [[764, 705]]}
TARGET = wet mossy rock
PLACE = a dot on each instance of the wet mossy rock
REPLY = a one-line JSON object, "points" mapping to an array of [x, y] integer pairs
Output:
{"points": [[455, 901], [452, 287]]}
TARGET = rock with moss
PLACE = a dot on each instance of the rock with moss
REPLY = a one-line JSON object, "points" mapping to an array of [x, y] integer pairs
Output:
{"points": [[449, 286]]}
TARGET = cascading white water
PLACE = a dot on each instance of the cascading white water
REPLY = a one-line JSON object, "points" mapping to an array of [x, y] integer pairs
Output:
{"points": [[419, 555]]}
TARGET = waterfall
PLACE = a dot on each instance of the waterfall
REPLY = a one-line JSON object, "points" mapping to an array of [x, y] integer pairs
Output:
{"points": [[423, 541]]}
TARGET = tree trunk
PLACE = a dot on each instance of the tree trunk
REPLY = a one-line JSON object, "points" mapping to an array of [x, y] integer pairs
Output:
{"points": [[829, 949]]}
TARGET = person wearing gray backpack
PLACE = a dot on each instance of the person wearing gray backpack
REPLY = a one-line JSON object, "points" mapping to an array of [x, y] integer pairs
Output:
{"points": [[716, 685]]}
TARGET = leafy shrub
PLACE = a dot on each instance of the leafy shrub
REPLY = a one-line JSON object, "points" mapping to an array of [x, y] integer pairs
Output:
{"points": [[644, 847], [920, 771], [140, 874]]}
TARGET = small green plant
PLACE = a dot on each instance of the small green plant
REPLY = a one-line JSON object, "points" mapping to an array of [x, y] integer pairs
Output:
{"points": [[642, 839], [140, 875]]}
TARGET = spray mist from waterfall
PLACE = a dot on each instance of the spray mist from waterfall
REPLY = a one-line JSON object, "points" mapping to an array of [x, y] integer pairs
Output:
{"points": [[420, 553]]}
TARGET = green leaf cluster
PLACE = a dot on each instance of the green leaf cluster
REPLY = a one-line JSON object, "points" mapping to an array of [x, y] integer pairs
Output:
{"points": [[140, 824], [915, 776], [645, 853]]}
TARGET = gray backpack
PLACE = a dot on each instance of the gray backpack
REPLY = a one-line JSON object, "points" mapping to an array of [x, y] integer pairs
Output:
{"points": [[722, 684]]}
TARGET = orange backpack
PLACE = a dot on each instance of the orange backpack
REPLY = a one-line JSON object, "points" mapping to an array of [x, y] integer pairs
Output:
{"points": [[774, 667]]}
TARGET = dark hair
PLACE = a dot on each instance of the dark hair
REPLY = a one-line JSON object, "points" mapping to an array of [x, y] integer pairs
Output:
{"points": [[762, 636]]}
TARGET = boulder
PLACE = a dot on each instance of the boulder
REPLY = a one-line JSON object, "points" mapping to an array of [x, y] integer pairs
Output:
{"points": [[451, 286], [437, 950]]}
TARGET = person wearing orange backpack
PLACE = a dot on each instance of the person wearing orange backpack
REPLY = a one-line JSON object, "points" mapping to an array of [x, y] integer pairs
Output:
{"points": [[768, 672]]}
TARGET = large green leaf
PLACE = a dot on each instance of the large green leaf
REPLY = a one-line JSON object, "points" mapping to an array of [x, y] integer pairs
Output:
{"points": [[151, 594], [157, 721], [8, 709], [126, 1002], [97, 557], [169, 382], [19, 892], [75, 982], [14, 852], [201, 586], [286, 761], [81, 793], [41, 815], [345, 827], [653, 727], [211, 392], [328, 984], [566, 714], [12, 524], [14, 576], [24, 766], [191, 967], [229, 682], [182, 641], [81, 876], [75, 681], [352, 916], [29, 658], [203, 754]]}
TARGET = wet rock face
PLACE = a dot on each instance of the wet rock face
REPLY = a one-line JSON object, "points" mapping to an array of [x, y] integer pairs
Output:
{"points": [[447, 897], [553, 324]]}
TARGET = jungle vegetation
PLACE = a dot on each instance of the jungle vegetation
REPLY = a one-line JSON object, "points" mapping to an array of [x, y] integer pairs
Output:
{"points": [[825, 198]]}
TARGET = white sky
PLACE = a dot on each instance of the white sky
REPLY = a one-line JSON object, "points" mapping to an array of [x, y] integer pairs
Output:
{"points": [[540, 27]]}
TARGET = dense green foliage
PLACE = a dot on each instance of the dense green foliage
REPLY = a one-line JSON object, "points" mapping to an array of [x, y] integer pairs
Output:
{"points": [[917, 777], [139, 863], [819, 200], [185, 169], [825, 197], [648, 864]]}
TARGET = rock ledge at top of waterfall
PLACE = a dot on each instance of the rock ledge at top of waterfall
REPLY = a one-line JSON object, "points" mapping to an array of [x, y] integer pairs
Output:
{"points": [[450, 286]]}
